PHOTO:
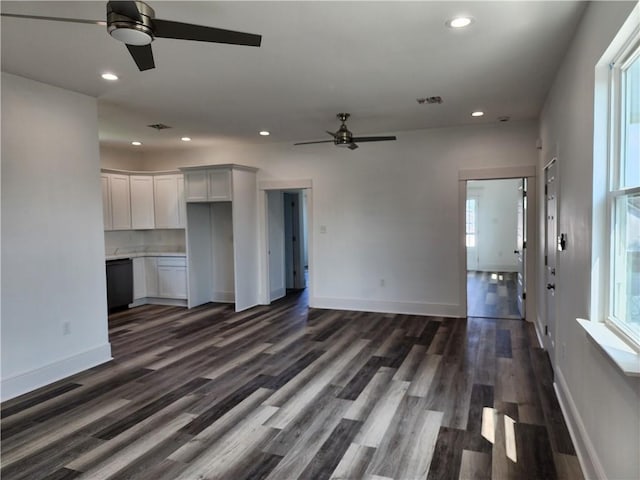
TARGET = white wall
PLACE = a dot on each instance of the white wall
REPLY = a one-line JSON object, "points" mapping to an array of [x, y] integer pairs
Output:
{"points": [[53, 267], [121, 158], [497, 223], [390, 209], [603, 405]]}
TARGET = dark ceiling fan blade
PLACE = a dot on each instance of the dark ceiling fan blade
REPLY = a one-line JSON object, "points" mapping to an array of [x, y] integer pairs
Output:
{"points": [[55, 19], [372, 139], [331, 133], [353, 146], [309, 143], [199, 33], [127, 9], [142, 55]]}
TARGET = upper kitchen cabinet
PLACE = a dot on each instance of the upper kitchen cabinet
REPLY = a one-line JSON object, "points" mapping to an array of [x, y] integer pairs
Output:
{"points": [[142, 202], [213, 184], [169, 201], [116, 201]]}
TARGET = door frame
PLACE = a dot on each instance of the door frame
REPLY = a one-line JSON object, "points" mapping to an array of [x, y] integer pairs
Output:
{"points": [[263, 187], [498, 173], [548, 332]]}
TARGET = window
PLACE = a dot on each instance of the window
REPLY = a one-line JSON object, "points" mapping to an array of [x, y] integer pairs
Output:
{"points": [[623, 198], [470, 221]]}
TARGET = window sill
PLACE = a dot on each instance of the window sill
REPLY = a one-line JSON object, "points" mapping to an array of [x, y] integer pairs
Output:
{"points": [[625, 358]]}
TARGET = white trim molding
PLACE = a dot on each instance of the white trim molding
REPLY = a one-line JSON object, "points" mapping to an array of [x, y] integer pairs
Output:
{"points": [[285, 184], [586, 452], [39, 377], [497, 172], [381, 306]]}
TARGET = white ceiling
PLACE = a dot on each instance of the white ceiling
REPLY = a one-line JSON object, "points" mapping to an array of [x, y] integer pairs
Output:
{"points": [[372, 59]]}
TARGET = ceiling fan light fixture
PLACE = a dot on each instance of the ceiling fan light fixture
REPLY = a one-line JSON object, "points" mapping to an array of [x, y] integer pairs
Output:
{"points": [[131, 35], [459, 22]]}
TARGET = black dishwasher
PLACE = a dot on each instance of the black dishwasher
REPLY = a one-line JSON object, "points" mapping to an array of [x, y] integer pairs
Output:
{"points": [[119, 283]]}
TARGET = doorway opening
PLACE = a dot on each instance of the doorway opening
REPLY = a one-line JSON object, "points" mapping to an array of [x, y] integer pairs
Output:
{"points": [[287, 243], [495, 241]]}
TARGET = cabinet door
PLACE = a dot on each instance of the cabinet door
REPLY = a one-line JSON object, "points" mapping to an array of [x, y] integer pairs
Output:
{"points": [[167, 201], [120, 202], [172, 282], [151, 276], [139, 278], [196, 187], [219, 186], [106, 201], [142, 211]]}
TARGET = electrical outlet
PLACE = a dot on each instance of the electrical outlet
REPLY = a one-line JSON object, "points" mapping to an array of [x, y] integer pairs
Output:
{"points": [[66, 328]]}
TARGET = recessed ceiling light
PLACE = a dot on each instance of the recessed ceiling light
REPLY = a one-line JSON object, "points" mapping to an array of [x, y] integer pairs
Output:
{"points": [[109, 76], [477, 114], [137, 144], [459, 22], [264, 133], [186, 139]]}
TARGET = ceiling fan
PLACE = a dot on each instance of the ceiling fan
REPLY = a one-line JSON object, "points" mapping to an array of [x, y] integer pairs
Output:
{"points": [[344, 138], [134, 24]]}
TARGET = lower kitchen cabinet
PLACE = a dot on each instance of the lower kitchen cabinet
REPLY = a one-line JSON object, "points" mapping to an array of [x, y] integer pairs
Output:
{"points": [[159, 278], [172, 277], [139, 278]]}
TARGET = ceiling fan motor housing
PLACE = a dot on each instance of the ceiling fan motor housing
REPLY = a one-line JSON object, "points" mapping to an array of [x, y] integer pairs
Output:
{"points": [[343, 137], [131, 30]]}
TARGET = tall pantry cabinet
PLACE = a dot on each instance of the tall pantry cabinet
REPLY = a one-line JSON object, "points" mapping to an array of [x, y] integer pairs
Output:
{"points": [[222, 234]]}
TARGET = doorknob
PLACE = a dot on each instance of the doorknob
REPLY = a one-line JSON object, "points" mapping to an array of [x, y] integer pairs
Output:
{"points": [[551, 286], [516, 252]]}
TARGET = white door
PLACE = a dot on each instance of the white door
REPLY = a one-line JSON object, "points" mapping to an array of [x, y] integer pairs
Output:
{"points": [[245, 239], [521, 245], [551, 227]]}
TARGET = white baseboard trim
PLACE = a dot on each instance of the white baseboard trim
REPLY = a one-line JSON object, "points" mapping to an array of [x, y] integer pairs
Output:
{"points": [[381, 306], [277, 294], [172, 302], [587, 455], [496, 268], [223, 297], [39, 377]]}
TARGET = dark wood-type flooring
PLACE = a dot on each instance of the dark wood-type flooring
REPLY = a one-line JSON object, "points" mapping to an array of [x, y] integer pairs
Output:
{"points": [[492, 295], [286, 392]]}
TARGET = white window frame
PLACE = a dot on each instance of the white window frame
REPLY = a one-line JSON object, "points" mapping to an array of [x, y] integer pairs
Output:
{"points": [[629, 52]]}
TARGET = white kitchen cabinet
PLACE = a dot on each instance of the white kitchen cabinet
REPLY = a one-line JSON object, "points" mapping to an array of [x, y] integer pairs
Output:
{"points": [[172, 277], [151, 276], [106, 202], [169, 201], [139, 278], [210, 185], [116, 201], [142, 202]]}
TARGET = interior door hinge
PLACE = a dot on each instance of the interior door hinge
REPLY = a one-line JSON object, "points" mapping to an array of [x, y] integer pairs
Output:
{"points": [[524, 245], [545, 189], [546, 260], [524, 295]]}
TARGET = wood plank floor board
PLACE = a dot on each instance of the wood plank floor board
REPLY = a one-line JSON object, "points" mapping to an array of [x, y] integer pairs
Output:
{"points": [[286, 392]]}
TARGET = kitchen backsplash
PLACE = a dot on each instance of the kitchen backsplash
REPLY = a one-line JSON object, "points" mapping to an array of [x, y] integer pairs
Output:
{"points": [[135, 241]]}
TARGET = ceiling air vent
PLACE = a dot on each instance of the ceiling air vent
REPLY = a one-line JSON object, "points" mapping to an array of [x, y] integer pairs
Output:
{"points": [[159, 126], [424, 100]]}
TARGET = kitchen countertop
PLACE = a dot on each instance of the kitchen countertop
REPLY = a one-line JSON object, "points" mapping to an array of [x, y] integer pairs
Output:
{"points": [[119, 255]]}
